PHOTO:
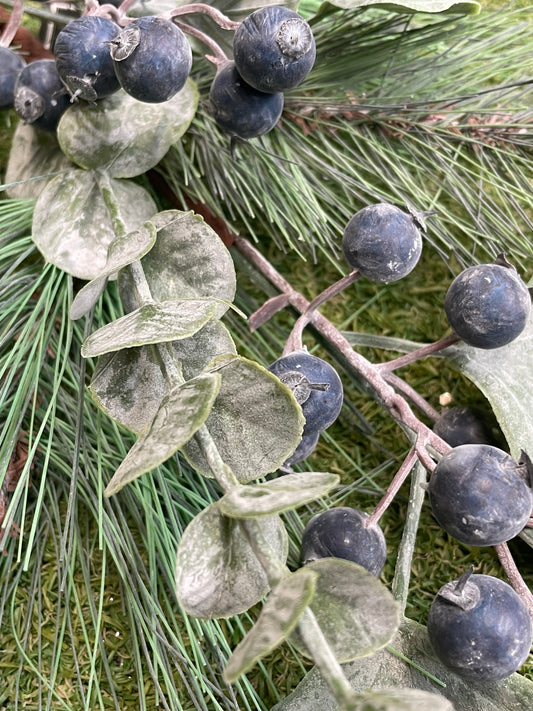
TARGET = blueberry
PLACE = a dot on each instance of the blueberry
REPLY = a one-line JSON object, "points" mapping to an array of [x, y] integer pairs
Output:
{"points": [[463, 424], [303, 450], [340, 533], [382, 242], [11, 64], [480, 628], [40, 97], [274, 49], [238, 108], [479, 495], [83, 58], [488, 305], [152, 59], [316, 386]]}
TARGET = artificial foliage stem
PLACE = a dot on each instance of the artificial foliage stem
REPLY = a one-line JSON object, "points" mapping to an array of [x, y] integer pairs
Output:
{"points": [[12, 25], [423, 352], [393, 488], [201, 8], [218, 56], [513, 574]]}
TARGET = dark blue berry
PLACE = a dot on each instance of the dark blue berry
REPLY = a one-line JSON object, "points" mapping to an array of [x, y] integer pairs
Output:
{"points": [[152, 59], [468, 425], [383, 242], [40, 96], [315, 385], [238, 108], [11, 64], [480, 495], [480, 628], [83, 58], [303, 450], [274, 49], [488, 305], [340, 533]]}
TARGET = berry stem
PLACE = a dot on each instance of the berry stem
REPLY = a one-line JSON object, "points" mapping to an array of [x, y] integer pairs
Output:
{"points": [[12, 25], [218, 55], [393, 488], [198, 7], [423, 352], [411, 394], [294, 341], [513, 574]]}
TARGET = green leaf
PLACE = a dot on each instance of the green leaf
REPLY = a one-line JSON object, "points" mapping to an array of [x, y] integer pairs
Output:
{"points": [[33, 154], [461, 7], [355, 611], [124, 136], [286, 492], [122, 251], [129, 384], [504, 376], [72, 226], [217, 571], [189, 260], [279, 616], [416, 668], [151, 323], [400, 700], [182, 412], [255, 422]]}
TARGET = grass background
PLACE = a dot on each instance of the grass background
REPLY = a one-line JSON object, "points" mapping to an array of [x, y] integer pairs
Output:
{"points": [[57, 619]]}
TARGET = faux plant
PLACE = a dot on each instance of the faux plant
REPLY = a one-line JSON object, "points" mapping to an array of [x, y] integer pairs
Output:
{"points": [[168, 369]]}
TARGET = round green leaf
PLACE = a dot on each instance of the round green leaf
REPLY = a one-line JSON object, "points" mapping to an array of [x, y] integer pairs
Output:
{"points": [[129, 384], [124, 136], [72, 226], [182, 412], [33, 154], [188, 260], [217, 571], [401, 700], [279, 616], [356, 612], [255, 422], [271, 497]]}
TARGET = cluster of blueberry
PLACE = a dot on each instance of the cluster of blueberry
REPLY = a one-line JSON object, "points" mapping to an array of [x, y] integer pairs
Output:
{"points": [[478, 625], [151, 59]]}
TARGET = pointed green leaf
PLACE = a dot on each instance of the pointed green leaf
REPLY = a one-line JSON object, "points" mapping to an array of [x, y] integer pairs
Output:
{"points": [[189, 260], [72, 226], [282, 494], [460, 7], [182, 412], [151, 323], [279, 616], [355, 611], [504, 376], [33, 154], [255, 422], [129, 384], [386, 668], [124, 136], [217, 571], [122, 251]]}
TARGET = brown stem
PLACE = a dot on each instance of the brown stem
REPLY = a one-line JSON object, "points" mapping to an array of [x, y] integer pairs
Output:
{"points": [[12, 25], [429, 349], [411, 394], [219, 56], [393, 488], [513, 574], [197, 7], [384, 392], [294, 341]]}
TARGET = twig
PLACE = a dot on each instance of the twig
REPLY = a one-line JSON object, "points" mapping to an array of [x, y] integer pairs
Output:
{"points": [[512, 572], [12, 25]]}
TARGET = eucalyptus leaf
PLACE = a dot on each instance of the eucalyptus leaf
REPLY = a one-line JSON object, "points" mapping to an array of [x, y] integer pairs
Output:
{"points": [[255, 422], [122, 251], [188, 260], [282, 494], [387, 669], [504, 376], [460, 7], [182, 412], [124, 136], [355, 611], [401, 700], [34, 156], [279, 616], [72, 225], [130, 384], [217, 572], [150, 323]]}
